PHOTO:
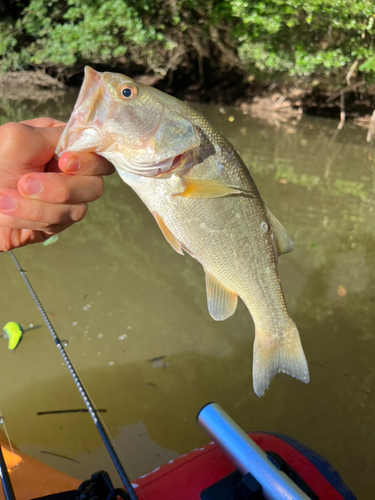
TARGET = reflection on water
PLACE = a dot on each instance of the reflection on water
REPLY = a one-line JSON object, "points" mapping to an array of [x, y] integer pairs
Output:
{"points": [[122, 297]]}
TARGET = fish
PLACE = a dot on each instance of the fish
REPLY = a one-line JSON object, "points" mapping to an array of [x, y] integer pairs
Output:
{"points": [[204, 201]]}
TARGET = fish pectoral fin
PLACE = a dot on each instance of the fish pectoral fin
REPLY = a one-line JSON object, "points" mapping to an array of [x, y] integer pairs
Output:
{"points": [[199, 188], [283, 241], [221, 301], [172, 240]]}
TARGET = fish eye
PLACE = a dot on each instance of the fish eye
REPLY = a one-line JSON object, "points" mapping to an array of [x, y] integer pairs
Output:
{"points": [[128, 91]]}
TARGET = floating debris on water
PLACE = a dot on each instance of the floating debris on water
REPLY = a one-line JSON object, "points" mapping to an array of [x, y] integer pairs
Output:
{"points": [[156, 359], [122, 337], [75, 323], [59, 456], [100, 335], [111, 363], [231, 119], [74, 410], [158, 362]]}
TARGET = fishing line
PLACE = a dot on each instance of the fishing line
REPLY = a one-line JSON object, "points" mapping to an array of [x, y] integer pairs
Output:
{"points": [[84, 394]]}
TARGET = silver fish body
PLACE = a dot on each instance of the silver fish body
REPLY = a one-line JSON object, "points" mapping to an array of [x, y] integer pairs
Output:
{"points": [[204, 200]]}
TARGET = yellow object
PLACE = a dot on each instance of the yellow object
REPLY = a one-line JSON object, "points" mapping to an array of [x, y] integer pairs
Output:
{"points": [[14, 334]]}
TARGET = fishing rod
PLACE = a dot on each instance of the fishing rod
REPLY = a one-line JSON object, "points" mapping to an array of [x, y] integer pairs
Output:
{"points": [[5, 479], [86, 398]]}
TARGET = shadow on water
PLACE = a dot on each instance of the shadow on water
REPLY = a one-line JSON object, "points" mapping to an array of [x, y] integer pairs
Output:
{"points": [[121, 297]]}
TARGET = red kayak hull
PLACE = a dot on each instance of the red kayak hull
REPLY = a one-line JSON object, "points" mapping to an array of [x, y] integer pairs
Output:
{"points": [[187, 476]]}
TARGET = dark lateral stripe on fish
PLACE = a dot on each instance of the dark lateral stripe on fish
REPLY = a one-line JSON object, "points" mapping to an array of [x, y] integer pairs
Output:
{"points": [[79, 410]]}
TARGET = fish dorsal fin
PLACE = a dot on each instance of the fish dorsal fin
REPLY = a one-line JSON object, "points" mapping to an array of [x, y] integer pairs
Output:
{"points": [[221, 301], [284, 243], [172, 240]]}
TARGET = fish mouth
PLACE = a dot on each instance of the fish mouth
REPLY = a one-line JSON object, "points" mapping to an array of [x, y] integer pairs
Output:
{"points": [[83, 130], [91, 129]]}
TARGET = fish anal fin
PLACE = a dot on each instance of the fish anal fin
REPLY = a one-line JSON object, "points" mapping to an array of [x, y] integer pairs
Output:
{"points": [[280, 354], [221, 301], [172, 240], [284, 243], [199, 188]]}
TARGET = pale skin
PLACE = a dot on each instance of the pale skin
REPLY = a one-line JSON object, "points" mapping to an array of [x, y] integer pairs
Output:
{"points": [[40, 196]]}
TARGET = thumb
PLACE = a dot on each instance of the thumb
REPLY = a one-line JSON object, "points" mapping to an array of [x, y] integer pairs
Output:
{"points": [[24, 149]]}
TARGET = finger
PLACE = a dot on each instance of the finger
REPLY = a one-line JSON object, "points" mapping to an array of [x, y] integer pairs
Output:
{"points": [[15, 238], [41, 145], [85, 164], [16, 223], [44, 122], [40, 213], [61, 188]]}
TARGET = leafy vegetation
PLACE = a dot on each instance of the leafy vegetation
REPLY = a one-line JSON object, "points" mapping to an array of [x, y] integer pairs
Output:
{"points": [[264, 39]]}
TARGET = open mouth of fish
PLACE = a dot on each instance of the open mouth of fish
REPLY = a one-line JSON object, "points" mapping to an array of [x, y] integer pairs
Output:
{"points": [[85, 132]]}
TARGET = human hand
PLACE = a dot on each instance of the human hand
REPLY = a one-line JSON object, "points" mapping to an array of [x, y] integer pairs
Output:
{"points": [[40, 196]]}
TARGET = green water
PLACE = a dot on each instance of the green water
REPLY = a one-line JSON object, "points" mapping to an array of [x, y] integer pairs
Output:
{"points": [[121, 296]]}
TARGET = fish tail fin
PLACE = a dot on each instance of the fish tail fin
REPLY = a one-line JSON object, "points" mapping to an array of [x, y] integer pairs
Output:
{"points": [[282, 355]]}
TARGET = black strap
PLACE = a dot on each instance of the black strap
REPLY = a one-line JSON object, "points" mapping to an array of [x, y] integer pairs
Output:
{"points": [[98, 487]]}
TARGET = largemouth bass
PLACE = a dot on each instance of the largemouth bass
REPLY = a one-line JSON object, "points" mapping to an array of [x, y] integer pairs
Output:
{"points": [[204, 200]]}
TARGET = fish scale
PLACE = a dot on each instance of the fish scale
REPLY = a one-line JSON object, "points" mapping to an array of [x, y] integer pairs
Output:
{"points": [[203, 198]]}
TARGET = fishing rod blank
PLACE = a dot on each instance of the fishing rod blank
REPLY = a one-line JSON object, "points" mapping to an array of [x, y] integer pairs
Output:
{"points": [[121, 472], [5, 479]]}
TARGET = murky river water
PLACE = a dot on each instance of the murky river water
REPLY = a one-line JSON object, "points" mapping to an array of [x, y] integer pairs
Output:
{"points": [[122, 297]]}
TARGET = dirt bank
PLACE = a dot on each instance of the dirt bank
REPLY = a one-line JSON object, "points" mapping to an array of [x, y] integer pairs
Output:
{"points": [[275, 102]]}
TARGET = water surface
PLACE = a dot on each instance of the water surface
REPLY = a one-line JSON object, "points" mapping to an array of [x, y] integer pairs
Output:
{"points": [[134, 314]]}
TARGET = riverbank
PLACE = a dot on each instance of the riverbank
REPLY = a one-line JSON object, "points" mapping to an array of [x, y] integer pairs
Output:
{"points": [[275, 102]]}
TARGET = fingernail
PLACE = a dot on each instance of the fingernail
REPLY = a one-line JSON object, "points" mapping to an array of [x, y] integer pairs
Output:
{"points": [[7, 203], [72, 165], [33, 187]]}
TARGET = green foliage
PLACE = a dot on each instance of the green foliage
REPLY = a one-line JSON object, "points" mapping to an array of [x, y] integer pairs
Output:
{"points": [[303, 37], [60, 33], [297, 38]]}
